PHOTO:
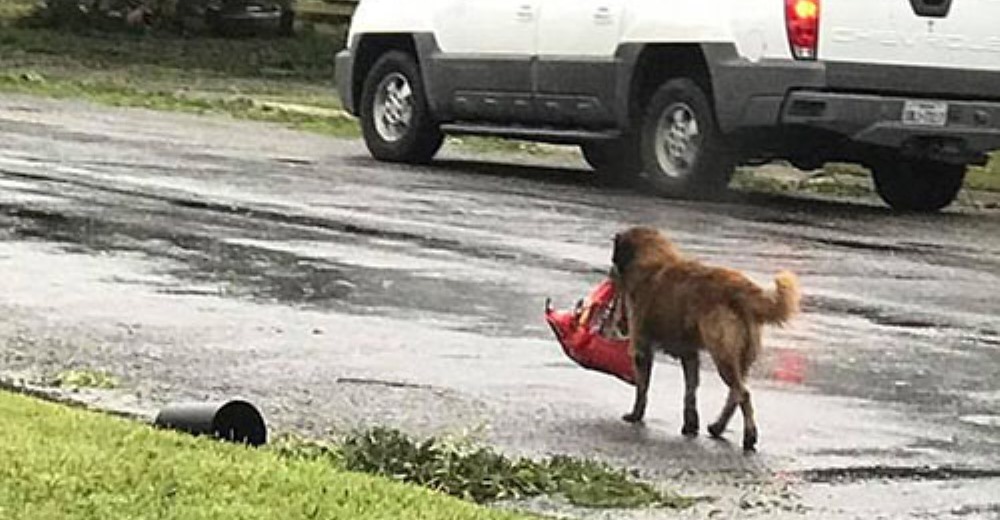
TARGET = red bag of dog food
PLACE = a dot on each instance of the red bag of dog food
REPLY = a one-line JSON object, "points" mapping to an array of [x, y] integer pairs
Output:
{"points": [[592, 335]]}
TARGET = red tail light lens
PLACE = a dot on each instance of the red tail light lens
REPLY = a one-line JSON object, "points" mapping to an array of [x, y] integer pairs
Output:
{"points": [[802, 20]]}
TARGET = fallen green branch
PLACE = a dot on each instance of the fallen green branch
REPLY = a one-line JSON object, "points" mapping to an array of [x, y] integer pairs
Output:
{"points": [[460, 468]]}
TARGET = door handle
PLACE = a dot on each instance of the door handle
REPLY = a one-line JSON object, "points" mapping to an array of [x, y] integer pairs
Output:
{"points": [[525, 13], [603, 15]]}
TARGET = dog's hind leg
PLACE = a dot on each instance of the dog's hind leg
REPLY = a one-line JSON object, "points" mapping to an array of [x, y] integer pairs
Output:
{"points": [[642, 357], [746, 405], [721, 332], [738, 395], [691, 363], [735, 397], [749, 424]]}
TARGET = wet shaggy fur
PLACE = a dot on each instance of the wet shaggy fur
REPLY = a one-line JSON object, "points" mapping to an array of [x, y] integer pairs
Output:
{"points": [[681, 306]]}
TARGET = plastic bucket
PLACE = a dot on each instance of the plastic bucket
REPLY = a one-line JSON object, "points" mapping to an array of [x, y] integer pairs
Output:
{"points": [[232, 421]]}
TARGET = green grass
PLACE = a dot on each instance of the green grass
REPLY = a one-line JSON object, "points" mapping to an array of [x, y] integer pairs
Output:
{"points": [[164, 55], [282, 80], [985, 178], [835, 183], [58, 463], [288, 110], [848, 180], [11, 10], [85, 378]]}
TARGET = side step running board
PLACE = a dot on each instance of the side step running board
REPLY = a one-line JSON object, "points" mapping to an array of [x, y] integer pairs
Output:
{"points": [[547, 135]]}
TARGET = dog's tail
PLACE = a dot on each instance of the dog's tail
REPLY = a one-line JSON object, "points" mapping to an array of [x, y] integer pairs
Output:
{"points": [[779, 305]]}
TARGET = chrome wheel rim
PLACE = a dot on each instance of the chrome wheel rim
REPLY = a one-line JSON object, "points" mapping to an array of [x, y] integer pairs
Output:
{"points": [[678, 141], [393, 108]]}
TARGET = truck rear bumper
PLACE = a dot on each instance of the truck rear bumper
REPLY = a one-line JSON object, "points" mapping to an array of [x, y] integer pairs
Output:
{"points": [[971, 126], [861, 102]]}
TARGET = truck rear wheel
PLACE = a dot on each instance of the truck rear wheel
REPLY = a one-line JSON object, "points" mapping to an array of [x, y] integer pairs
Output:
{"points": [[683, 152], [913, 185], [396, 121]]}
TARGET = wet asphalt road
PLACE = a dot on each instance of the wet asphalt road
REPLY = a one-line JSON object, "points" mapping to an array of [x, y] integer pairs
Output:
{"points": [[202, 258]]}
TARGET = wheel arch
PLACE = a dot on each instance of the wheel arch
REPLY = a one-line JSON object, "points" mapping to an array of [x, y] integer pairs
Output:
{"points": [[368, 49], [646, 66]]}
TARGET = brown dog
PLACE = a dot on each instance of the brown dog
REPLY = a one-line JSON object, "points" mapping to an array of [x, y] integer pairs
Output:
{"points": [[682, 306]]}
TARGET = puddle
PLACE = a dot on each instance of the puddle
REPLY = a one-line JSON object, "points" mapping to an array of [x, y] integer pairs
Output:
{"points": [[851, 474], [900, 318], [246, 264], [987, 421], [855, 244]]}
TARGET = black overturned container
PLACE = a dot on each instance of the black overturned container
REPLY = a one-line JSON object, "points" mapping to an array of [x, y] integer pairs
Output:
{"points": [[233, 421]]}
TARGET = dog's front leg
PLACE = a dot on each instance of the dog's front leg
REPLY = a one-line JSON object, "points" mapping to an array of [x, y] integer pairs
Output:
{"points": [[642, 357], [691, 363]]}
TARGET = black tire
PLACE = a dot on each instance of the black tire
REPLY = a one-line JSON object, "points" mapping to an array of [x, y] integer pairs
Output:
{"points": [[184, 12], [911, 185], [416, 142], [286, 23], [705, 169], [214, 23], [615, 163]]}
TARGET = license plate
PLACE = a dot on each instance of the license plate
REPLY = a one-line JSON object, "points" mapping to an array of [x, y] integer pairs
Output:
{"points": [[925, 113]]}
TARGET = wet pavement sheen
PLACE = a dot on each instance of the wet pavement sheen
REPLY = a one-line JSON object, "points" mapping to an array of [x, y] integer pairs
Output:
{"points": [[205, 258]]}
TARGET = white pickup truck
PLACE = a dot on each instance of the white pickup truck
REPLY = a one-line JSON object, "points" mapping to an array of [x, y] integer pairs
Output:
{"points": [[678, 92]]}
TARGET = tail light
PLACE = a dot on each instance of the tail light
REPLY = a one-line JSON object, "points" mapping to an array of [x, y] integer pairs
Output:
{"points": [[802, 21]]}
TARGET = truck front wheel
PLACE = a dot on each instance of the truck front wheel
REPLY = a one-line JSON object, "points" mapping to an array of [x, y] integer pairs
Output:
{"points": [[683, 152], [396, 121]]}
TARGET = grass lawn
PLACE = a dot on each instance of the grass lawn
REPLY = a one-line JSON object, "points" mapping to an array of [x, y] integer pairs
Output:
{"points": [[62, 463], [284, 80], [986, 178]]}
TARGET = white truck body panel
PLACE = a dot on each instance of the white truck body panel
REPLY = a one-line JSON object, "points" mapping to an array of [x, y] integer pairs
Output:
{"points": [[559, 28], [681, 21], [394, 16], [883, 32], [889, 32], [505, 27]]}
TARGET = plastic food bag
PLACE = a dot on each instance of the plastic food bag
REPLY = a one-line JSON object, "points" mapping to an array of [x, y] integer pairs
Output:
{"points": [[593, 333]]}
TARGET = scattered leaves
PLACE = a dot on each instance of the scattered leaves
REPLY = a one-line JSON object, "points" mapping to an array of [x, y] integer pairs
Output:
{"points": [[460, 468]]}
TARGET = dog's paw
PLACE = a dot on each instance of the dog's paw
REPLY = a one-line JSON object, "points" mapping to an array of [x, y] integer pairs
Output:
{"points": [[632, 418], [750, 441], [716, 430], [691, 423]]}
